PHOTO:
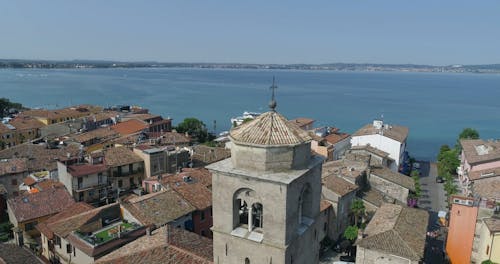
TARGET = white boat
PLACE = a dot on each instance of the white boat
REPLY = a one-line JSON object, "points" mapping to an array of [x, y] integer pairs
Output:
{"points": [[246, 115]]}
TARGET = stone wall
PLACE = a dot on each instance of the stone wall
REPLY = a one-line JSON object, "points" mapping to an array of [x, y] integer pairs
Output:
{"points": [[367, 256], [393, 190]]}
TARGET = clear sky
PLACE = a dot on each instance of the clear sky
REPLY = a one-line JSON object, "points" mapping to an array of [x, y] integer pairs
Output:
{"points": [[434, 32]]}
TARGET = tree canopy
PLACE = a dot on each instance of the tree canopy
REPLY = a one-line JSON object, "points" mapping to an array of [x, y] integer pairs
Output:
{"points": [[469, 133], [351, 233], [195, 128], [6, 105]]}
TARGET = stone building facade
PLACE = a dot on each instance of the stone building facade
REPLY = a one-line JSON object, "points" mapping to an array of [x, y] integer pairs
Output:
{"points": [[266, 197]]}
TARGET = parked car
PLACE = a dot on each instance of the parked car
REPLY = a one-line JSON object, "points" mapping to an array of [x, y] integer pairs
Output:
{"points": [[439, 179], [416, 166], [348, 258]]}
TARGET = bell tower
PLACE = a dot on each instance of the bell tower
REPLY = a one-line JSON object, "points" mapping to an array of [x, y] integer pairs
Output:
{"points": [[266, 197]]}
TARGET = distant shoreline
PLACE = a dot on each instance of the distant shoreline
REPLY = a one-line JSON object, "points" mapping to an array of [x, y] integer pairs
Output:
{"points": [[346, 67]]}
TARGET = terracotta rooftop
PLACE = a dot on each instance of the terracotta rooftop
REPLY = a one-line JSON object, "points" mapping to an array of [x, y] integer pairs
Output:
{"points": [[75, 209], [13, 254], [44, 203], [143, 117], [398, 133], [69, 223], [487, 188], [167, 245], [130, 127], [302, 121], [169, 138], [483, 174], [198, 175], [13, 166], [397, 230], [395, 177], [196, 194], [377, 198], [324, 205], [371, 150], [79, 170], [270, 128], [39, 156], [493, 224], [97, 134], [480, 151], [119, 156], [24, 123], [339, 185], [335, 138], [350, 170], [162, 207], [207, 155]]}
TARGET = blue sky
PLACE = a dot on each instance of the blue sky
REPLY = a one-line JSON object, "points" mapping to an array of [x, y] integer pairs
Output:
{"points": [[420, 32]]}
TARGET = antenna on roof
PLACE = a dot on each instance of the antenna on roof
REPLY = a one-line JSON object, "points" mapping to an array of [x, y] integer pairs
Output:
{"points": [[273, 104]]}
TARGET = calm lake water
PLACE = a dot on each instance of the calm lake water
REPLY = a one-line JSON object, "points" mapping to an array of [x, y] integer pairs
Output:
{"points": [[436, 107]]}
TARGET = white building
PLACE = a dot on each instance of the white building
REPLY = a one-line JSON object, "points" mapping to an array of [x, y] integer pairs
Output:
{"points": [[385, 137]]}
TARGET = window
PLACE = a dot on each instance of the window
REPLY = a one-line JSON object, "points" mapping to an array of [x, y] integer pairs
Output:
{"points": [[120, 183], [80, 197], [14, 181], [68, 249], [58, 241], [99, 178], [80, 183], [30, 226], [247, 261], [203, 233], [487, 249], [257, 215], [202, 216]]}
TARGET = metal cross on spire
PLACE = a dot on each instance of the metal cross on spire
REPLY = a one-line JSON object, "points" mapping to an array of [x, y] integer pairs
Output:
{"points": [[272, 104]]}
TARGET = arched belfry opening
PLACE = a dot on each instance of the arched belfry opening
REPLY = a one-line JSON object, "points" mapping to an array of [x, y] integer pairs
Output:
{"points": [[305, 205], [247, 210]]}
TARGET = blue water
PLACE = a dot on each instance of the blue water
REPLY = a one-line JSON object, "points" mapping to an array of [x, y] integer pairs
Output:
{"points": [[436, 107]]}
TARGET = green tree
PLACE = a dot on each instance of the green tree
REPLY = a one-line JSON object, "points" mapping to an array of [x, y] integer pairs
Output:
{"points": [[6, 104], [195, 128], [351, 233], [467, 133], [418, 187], [358, 210]]}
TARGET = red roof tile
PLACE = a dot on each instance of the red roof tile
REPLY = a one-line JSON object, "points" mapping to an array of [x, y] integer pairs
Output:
{"points": [[85, 169], [75, 209], [44, 203], [130, 127], [196, 194]]}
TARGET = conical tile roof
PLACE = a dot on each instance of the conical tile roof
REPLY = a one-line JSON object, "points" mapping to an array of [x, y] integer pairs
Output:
{"points": [[270, 128]]}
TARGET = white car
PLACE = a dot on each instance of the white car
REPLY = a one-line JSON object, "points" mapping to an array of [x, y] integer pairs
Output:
{"points": [[416, 165]]}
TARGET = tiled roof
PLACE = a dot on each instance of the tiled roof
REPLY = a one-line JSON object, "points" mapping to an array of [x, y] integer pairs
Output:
{"points": [[80, 170], [130, 127], [119, 156], [24, 123], [13, 254], [270, 128], [482, 174], [39, 157], [143, 117], [196, 194], [480, 151], [488, 188], [208, 155], [395, 177], [198, 175], [398, 133], [167, 245], [339, 185], [493, 224], [98, 134], [397, 230], [350, 170], [335, 138], [65, 225], [29, 181], [372, 150], [324, 205], [302, 121], [377, 198], [44, 203], [170, 138], [75, 209], [162, 207], [13, 166]]}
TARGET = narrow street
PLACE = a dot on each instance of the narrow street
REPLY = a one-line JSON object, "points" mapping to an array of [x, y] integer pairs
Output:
{"points": [[433, 200]]}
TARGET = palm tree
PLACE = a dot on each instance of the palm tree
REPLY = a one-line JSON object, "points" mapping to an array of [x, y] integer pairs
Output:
{"points": [[358, 209]]}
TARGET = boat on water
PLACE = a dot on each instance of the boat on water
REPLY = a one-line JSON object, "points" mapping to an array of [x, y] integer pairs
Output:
{"points": [[236, 121]]}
